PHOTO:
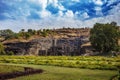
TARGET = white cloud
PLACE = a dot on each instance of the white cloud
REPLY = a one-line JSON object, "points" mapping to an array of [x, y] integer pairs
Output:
{"points": [[60, 14], [98, 11], [61, 7], [42, 3], [58, 22], [98, 2], [55, 3], [69, 14], [82, 16], [85, 15], [115, 10], [113, 16], [44, 14]]}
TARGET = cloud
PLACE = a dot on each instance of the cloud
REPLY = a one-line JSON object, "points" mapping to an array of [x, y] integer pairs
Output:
{"points": [[57, 13], [98, 2], [42, 3], [82, 16], [69, 14], [85, 15], [44, 13]]}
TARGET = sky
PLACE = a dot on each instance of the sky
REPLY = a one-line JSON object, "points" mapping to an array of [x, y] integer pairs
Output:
{"points": [[43, 14]]}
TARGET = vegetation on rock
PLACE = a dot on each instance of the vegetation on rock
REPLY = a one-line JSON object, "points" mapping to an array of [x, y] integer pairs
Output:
{"points": [[2, 52]]}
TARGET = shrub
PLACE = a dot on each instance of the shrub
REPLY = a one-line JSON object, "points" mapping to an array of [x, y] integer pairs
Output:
{"points": [[10, 53], [66, 61]]}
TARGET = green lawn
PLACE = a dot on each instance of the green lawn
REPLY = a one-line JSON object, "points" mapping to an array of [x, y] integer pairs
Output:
{"points": [[66, 67], [63, 73], [7, 68]]}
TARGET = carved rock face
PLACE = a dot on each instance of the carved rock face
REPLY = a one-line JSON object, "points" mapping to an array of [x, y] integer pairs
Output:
{"points": [[46, 46]]}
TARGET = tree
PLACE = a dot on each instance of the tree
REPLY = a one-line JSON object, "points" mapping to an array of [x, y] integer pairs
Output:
{"points": [[2, 52], [32, 32], [27, 36], [44, 33], [104, 37], [7, 34], [22, 30]]}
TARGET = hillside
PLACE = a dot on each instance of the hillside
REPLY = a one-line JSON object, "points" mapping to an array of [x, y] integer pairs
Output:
{"points": [[64, 41], [8, 36]]}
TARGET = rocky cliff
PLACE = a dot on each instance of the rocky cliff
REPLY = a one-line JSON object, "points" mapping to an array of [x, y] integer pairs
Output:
{"points": [[64, 42], [47, 46]]}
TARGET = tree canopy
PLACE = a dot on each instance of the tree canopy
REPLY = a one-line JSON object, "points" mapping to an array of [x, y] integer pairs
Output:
{"points": [[104, 37]]}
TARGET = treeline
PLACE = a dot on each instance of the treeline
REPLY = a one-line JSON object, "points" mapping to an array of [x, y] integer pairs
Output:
{"points": [[9, 34], [22, 34]]}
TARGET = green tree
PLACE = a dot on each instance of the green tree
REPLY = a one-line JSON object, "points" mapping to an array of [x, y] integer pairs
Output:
{"points": [[104, 37], [22, 31], [16, 35], [27, 35], [2, 52], [44, 33], [32, 32], [7, 34]]}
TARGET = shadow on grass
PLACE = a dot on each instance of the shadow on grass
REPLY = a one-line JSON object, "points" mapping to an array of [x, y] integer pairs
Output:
{"points": [[27, 71]]}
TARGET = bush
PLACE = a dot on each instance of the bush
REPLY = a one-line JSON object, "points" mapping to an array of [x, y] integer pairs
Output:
{"points": [[66, 61], [10, 53], [2, 52]]}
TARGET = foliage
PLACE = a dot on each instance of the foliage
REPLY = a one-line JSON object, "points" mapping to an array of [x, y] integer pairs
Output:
{"points": [[31, 32], [27, 35], [10, 53], [44, 34], [16, 36], [95, 62], [2, 52], [104, 37], [119, 75], [7, 34]]}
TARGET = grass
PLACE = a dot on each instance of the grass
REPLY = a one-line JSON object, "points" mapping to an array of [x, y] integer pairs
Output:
{"points": [[8, 68], [66, 67], [64, 73]]}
